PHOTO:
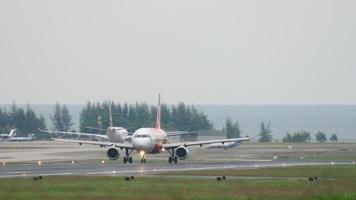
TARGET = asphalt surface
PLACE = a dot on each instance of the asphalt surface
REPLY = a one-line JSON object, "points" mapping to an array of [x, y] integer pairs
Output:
{"points": [[116, 169], [56, 158]]}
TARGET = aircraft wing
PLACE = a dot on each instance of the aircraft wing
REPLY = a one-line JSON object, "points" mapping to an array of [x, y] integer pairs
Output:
{"points": [[222, 141], [78, 134], [175, 133], [103, 144]]}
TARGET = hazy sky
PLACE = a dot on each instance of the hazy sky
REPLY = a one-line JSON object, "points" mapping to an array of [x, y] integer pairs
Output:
{"points": [[196, 51]]}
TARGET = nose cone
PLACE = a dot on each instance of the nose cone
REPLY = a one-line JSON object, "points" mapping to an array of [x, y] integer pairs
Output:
{"points": [[140, 144]]}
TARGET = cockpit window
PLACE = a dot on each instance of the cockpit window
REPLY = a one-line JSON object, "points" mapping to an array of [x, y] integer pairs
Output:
{"points": [[142, 136]]}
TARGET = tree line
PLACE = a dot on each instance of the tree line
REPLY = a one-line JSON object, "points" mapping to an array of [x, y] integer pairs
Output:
{"points": [[304, 136], [25, 120], [232, 130], [138, 115]]}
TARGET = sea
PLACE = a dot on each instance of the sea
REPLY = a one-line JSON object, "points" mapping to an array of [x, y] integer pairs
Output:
{"points": [[330, 119]]}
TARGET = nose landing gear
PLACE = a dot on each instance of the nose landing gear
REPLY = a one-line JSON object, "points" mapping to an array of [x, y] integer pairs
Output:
{"points": [[143, 157]]}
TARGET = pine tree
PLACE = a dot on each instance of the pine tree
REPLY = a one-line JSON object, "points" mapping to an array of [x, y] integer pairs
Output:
{"points": [[61, 118], [56, 118], [66, 118], [333, 138], [232, 130], [320, 137], [265, 133]]}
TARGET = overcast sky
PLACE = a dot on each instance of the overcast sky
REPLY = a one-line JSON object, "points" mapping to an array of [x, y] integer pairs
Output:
{"points": [[196, 51]]}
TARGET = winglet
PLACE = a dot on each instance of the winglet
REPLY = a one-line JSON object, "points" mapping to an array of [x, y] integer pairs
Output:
{"points": [[158, 119]]}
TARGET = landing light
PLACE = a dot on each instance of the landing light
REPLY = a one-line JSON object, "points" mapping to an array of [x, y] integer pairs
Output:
{"points": [[103, 162], [39, 162], [3, 163], [72, 161], [142, 153]]}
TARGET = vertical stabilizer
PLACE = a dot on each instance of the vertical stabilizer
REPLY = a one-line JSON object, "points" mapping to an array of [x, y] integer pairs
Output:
{"points": [[30, 136], [110, 117], [158, 119], [12, 133]]}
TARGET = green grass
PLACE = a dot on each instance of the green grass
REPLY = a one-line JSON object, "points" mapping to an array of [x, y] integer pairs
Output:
{"points": [[326, 171], [342, 186]]}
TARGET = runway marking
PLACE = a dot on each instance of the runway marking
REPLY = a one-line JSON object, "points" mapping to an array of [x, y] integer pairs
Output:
{"points": [[18, 172]]}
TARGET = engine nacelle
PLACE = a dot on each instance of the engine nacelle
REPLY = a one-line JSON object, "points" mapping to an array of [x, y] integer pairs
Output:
{"points": [[182, 153], [113, 153]]}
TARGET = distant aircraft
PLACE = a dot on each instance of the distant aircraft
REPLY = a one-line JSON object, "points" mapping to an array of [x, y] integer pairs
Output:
{"points": [[21, 139], [113, 134], [7, 136], [227, 145], [11, 137], [152, 141]]}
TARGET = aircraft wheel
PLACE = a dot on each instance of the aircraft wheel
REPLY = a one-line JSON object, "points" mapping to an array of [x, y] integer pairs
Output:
{"points": [[175, 160], [130, 159], [125, 160], [170, 159]]}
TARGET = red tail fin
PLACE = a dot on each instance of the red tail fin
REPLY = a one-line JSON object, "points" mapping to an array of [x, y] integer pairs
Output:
{"points": [[158, 119]]}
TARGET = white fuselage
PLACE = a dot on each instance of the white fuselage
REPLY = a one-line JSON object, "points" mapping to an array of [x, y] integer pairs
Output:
{"points": [[149, 140], [227, 145], [12, 137], [116, 134], [20, 139]]}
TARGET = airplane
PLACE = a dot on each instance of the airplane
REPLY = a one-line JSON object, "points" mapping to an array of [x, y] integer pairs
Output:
{"points": [[152, 141], [11, 137], [21, 139], [113, 134], [7, 136], [227, 145]]}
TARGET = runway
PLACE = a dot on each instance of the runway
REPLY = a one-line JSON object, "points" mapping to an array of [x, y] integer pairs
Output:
{"points": [[21, 159], [115, 169]]}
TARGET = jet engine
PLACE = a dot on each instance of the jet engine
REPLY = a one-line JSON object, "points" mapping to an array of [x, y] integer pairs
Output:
{"points": [[113, 153], [182, 153]]}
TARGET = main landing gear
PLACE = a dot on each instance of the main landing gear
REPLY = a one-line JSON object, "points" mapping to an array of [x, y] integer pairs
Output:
{"points": [[172, 158], [127, 157]]}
